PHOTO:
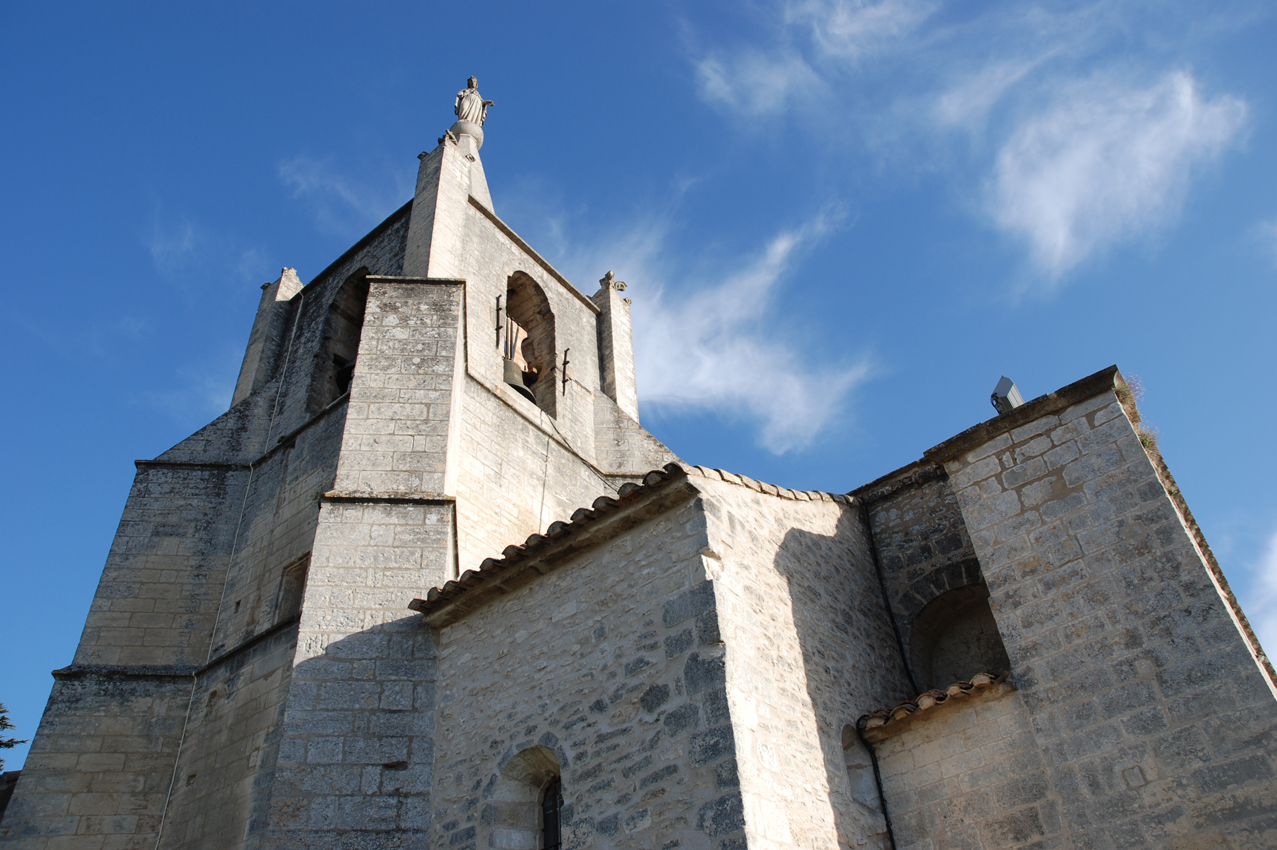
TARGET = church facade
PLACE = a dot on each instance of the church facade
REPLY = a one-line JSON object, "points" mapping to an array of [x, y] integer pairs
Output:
{"points": [[429, 584]]}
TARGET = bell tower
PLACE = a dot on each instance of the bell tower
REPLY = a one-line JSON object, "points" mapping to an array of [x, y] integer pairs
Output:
{"points": [[436, 395]]}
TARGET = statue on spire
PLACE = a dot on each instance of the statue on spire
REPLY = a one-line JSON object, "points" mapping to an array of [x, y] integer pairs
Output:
{"points": [[470, 106]]}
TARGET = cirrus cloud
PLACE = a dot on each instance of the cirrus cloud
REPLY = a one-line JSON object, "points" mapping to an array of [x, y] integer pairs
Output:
{"points": [[1106, 162]]}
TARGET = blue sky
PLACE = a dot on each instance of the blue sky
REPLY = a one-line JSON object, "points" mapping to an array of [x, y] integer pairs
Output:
{"points": [[840, 224]]}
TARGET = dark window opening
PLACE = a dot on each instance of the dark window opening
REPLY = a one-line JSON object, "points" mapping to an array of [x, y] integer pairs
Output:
{"points": [[345, 370], [551, 813], [527, 342], [335, 360], [292, 590]]}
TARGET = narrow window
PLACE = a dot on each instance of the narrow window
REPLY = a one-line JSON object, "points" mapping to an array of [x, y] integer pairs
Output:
{"points": [[292, 590], [551, 809]]}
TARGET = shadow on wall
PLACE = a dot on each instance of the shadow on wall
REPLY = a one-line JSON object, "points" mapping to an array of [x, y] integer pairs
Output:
{"points": [[851, 661], [357, 750]]}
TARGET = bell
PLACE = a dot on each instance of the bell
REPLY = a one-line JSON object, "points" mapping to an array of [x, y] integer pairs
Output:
{"points": [[513, 376]]}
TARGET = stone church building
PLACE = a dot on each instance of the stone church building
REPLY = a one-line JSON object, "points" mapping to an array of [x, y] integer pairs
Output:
{"points": [[429, 584]]}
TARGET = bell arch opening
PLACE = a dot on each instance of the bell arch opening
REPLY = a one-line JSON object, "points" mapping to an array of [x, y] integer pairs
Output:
{"points": [[526, 803], [955, 637], [335, 360], [528, 350]]}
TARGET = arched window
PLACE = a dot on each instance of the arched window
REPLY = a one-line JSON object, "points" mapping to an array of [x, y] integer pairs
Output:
{"points": [[528, 348], [551, 811], [955, 636], [524, 809], [335, 360]]}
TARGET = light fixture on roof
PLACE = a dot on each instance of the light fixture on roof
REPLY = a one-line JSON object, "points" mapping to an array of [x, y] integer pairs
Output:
{"points": [[1006, 397]]}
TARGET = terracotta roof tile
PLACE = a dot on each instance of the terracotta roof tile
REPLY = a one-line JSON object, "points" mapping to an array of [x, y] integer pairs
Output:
{"points": [[927, 700]]}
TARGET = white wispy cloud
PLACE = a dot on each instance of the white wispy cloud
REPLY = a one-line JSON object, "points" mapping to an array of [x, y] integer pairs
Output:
{"points": [[968, 102], [198, 390], [171, 247], [757, 83], [189, 256], [855, 28], [344, 205], [1078, 150], [1261, 607], [1106, 162], [715, 350], [1266, 233], [706, 339]]}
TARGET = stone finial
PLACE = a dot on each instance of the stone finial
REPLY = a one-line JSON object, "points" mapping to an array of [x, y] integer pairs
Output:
{"points": [[609, 279]]}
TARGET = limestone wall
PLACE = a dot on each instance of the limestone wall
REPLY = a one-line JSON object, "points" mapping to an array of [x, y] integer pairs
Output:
{"points": [[809, 648], [969, 775], [923, 546], [379, 253], [223, 776], [98, 771], [612, 662], [355, 746], [221, 786], [621, 446], [1153, 717], [521, 469], [171, 598]]}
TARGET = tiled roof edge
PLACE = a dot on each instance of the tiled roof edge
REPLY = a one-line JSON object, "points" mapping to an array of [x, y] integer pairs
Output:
{"points": [[927, 700], [438, 598], [770, 489]]}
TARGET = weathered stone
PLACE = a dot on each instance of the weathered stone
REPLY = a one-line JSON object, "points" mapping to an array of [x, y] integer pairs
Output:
{"points": [[686, 654]]}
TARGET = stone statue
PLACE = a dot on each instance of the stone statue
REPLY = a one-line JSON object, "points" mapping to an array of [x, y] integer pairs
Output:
{"points": [[470, 106]]}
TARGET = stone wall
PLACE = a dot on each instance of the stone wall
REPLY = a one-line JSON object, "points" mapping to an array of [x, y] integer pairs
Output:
{"points": [[611, 662], [221, 786], [172, 597], [809, 648], [223, 778], [969, 775], [379, 253], [98, 772], [355, 747], [621, 446], [1155, 721], [923, 546]]}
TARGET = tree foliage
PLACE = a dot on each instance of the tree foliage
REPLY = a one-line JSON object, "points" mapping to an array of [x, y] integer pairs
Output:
{"points": [[5, 725]]}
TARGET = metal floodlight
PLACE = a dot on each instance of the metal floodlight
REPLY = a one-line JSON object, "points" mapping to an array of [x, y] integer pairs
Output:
{"points": [[1006, 397]]}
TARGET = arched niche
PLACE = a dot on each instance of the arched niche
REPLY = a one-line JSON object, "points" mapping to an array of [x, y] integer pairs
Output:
{"points": [[335, 360], [515, 814], [528, 346], [955, 637]]}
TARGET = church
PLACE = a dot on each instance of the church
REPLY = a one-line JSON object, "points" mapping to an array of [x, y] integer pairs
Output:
{"points": [[428, 583]]}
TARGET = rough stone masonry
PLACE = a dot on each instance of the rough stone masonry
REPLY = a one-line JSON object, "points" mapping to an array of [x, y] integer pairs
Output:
{"points": [[430, 584]]}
